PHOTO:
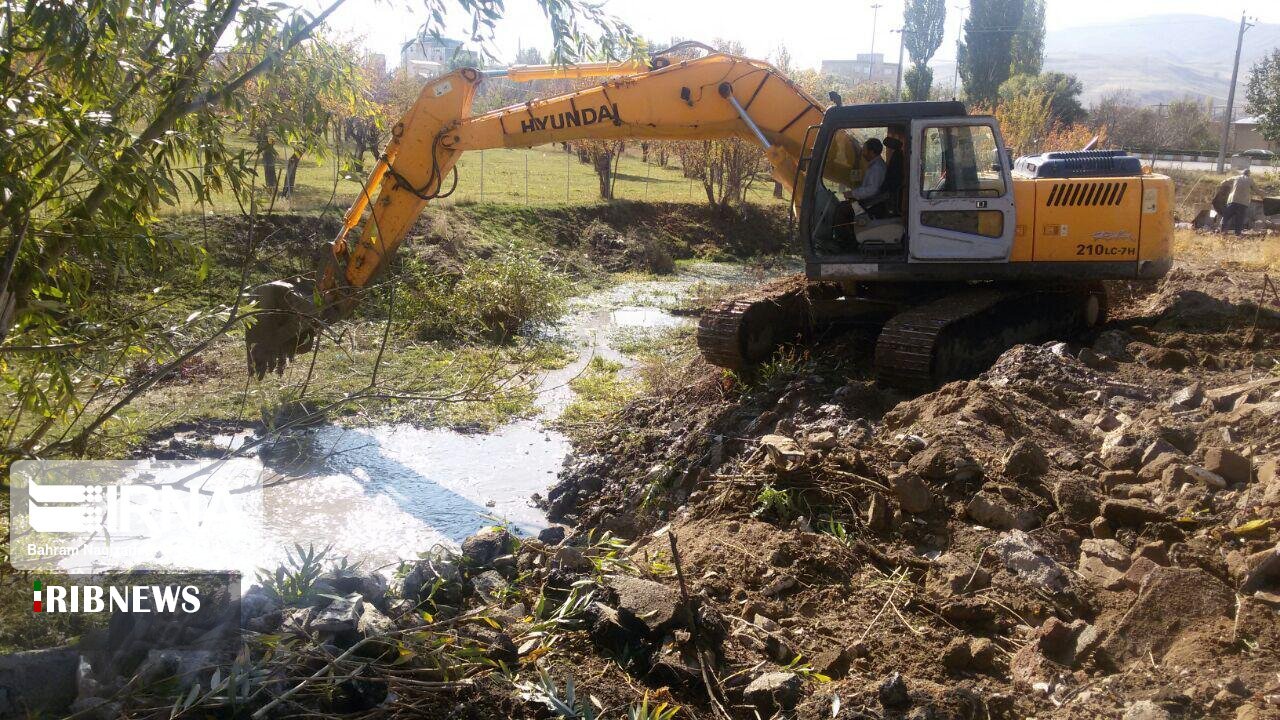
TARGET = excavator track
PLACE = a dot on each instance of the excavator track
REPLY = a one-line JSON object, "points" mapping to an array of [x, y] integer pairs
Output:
{"points": [[744, 331], [961, 334]]}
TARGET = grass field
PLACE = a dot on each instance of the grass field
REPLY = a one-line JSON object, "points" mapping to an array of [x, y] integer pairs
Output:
{"points": [[537, 176]]}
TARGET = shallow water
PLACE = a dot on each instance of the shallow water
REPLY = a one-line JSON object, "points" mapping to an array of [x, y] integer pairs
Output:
{"points": [[381, 494]]}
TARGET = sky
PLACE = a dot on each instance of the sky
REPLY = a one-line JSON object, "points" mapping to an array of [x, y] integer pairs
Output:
{"points": [[812, 30]]}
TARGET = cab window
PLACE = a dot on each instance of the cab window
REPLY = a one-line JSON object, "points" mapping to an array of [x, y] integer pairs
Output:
{"points": [[844, 164], [960, 161]]}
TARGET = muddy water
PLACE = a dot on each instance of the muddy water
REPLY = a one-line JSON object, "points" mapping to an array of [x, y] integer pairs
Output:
{"points": [[381, 494]]}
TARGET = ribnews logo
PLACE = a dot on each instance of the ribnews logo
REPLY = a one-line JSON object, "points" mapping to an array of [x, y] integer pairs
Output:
{"points": [[127, 598]]}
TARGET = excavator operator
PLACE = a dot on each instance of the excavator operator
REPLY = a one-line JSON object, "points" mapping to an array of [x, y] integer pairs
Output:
{"points": [[885, 203], [873, 178]]}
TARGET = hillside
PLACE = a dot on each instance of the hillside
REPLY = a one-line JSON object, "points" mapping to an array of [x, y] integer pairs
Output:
{"points": [[1158, 58]]}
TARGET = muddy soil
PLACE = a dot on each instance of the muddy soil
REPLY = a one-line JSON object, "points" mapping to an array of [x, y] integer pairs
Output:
{"points": [[1089, 529]]}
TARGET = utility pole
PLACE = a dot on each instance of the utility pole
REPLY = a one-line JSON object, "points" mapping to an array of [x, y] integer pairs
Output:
{"points": [[871, 59], [1231, 95], [955, 81], [902, 41]]}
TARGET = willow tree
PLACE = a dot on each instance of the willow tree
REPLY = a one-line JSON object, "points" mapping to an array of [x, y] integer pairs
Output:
{"points": [[111, 109]]}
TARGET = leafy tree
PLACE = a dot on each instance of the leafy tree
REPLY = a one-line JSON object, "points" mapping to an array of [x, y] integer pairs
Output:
{"points": [[530, 56], [1062, 90], [1028, 43], [783, 61], [923, 22], [114, 108], [1188, 126], [1184, 125], [986, 53], [1263, 95], [300, 104], [1025, 121]]}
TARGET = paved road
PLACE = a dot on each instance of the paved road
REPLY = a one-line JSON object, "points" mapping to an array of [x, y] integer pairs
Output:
{"points": [[1195, 165]]}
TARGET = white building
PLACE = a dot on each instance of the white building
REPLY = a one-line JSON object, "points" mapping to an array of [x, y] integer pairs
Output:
{"points": [[429, 56], [866, 67]]}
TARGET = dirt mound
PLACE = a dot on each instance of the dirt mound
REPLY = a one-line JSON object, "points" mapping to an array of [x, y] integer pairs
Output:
{"points": [[1073, 533]]}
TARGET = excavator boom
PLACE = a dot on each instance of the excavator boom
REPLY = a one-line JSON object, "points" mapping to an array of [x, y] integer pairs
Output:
{"points": [[712, 97]]}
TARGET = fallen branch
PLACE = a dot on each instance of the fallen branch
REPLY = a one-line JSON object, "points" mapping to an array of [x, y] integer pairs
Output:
{"points": [[714, 694]]}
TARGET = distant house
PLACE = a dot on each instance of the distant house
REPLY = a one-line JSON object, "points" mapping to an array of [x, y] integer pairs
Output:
{"points": [[1245, 135], [428, 56], [866, 67]]}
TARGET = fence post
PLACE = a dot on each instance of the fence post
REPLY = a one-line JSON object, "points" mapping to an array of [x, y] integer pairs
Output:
{"points": [[526, 176], [566, 176], [481, 176], [647, 169]]}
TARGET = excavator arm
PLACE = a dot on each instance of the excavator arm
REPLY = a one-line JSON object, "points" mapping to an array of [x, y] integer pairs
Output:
{"points": [[713, 97]]}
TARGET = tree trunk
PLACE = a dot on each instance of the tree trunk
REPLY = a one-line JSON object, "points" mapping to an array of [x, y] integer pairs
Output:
{"points": [[603, 163], [269, 165], [290, 174]]}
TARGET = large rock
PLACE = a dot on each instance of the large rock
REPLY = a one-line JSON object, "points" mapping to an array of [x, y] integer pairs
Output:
{"points": [[491, 543], [1188, 398], [439, 572], [1269, 481], [370, 586], [38, 682], [1163, 358], [646, 604], [608, 632], [893, 692], [991, 509], [1176, 608], [912, 493], [1131, 513], [945, 460], [1076, 499], [258, 602], [553, 534], [1261, 569], [1026, 460], [341, 616], [774, 692], [1205, 477], [1110, 552], [1155, 469], [1230, 465], [783, 452], [489, 585], [1028, 559], [1158, 447], [1225, 398], [182, 668]]}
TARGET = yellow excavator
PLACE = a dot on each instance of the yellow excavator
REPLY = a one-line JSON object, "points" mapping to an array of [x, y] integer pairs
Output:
{"points": [[961, 255]]}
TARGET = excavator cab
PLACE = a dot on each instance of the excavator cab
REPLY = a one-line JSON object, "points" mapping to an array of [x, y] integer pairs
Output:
{"points": [[950, 199]]}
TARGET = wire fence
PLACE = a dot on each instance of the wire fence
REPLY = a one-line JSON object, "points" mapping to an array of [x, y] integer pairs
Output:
{"points": [[550, 176], [545, 175]]}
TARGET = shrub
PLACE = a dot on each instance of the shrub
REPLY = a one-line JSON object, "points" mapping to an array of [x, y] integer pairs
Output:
{"points": [[496, 297]]}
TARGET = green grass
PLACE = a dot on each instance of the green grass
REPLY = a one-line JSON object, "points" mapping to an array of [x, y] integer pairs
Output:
{"points": [[599, 391], [544, 175]]}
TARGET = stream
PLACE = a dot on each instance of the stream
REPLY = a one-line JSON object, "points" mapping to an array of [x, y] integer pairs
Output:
{"points": [[377, 495]]}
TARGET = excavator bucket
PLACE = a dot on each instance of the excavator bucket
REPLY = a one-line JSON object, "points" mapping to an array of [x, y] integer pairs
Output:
{"points": [[286, 323]]}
